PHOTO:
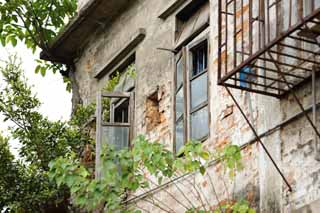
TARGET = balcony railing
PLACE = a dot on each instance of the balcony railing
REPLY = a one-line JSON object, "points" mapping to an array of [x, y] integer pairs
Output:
{"points": [[268, 46]]}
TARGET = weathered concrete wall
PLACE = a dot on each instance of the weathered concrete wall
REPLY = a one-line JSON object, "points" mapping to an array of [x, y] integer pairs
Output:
{"points": [[299, 154], [292, 147]]}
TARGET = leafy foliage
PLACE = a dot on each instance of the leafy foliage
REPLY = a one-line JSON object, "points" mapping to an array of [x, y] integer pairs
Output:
{"points": [[36, 23], [26, 183], [125, 171]]}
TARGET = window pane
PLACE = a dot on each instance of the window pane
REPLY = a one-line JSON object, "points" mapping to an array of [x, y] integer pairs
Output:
{"points": [[199, 90], [199, 59], [179, 103], [179, 135], [199, 124], [121, 112], [116, 136], [179, 77]]}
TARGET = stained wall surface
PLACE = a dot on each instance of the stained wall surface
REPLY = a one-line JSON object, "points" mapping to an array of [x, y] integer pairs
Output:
{"points": [[292, 146]]}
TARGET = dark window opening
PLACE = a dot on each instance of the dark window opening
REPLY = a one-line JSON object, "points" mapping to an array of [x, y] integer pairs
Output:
{"points": [[199, 59], [121, 112]]}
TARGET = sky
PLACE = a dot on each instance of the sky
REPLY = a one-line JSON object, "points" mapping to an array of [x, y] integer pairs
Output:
{"points": [[50, 90]]}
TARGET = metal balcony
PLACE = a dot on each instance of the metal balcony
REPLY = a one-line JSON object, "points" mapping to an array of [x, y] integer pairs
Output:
{"points": [[268, 46]]}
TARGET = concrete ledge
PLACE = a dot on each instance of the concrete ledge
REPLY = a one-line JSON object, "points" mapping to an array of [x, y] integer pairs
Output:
{"points": [[94, 15], [122, 53], [171, 9]]}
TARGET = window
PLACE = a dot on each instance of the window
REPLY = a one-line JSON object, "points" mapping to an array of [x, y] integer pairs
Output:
{"points": [[199, 124], [115, 121], [191, 94], [180, 102], [115, 109]]}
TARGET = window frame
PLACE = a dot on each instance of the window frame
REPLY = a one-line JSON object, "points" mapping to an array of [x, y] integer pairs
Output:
{"points": [[180, 56], [186, 54], [190, 48]]}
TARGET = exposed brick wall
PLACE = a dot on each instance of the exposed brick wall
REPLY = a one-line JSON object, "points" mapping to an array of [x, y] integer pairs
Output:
{"points": [[292, 146]]}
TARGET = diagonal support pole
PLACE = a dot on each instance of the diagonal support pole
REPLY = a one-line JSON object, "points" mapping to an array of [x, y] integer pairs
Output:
{"points": [[259, 139], [294, 95]]}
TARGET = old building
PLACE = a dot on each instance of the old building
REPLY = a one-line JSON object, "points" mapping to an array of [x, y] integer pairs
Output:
{"points": [[188, 55]]}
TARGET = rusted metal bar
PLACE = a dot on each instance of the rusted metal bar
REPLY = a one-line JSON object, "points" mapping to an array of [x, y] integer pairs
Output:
{"points": [[259, 139], [219, 38], [299, 49], [270, 45], [285, 64], [265, 77], [297, 99], [302, 39], [268, 19], [275, 71], [314, 110], [290, 13], [262, 92], [257, 84], [235, 34], [250, 28], [300, 9], [226, 39], [242, 31], [292, 56]]}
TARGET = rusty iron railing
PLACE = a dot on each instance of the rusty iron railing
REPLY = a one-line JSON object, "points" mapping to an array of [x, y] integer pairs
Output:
{"points": [[268, 46]]}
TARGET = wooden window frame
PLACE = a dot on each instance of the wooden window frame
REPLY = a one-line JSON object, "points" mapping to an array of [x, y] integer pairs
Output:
{"points": [[186, 54], [100, 123]]}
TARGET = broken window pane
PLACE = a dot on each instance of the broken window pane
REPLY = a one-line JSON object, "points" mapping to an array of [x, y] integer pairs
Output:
{"points": [[179, 135], [179, 103], [199, 90], [199, 124], [179, 77], [118, 137]]}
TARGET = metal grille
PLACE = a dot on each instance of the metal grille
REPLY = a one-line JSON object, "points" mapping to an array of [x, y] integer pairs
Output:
{"points": [[268, 46]]}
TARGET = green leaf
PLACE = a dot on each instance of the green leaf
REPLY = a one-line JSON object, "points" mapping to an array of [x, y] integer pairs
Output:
{"points": [[202, 170], [43, 71], [13, 41]]}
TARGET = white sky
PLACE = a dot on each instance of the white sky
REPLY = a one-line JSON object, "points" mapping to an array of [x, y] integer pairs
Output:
{"points": [[56, 101]]}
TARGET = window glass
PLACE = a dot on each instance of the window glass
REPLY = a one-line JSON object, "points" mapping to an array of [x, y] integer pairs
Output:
{"points": [[179, 135], [199, 90], [116, 136], [199, 59], [179, 103], [179, 79], [199, 124]]}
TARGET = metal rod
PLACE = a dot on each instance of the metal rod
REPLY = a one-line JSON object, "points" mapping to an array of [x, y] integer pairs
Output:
{"points": [[299, 49], [285, 64], [262, 92], [266, 77], [219, 39], [257, 84], [302, 39], [226, 38], [275, 71], [314, 110], [271, 44], [296, 98], [259, 139], [246, 144], [295, 57]]}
